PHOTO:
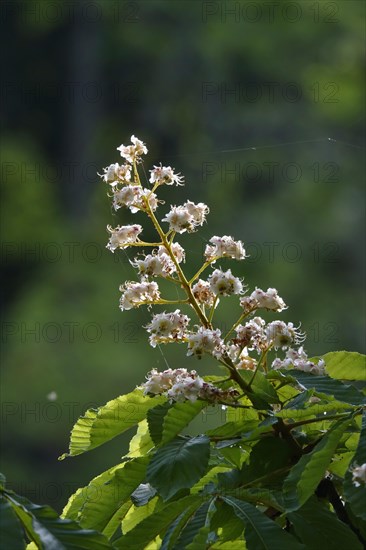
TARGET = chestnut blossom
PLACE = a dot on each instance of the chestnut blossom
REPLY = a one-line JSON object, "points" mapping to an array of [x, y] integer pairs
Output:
{"points": [[165, 175], [359, 475], [186, 217], [180, 385], [252, 335], [133, 152], [298, 359], [246, 362], [268, 299], [116, 173], [159, 263], [135, 294], [167, 327], [134, 197], [122, 236], [224, 283], [282, 335], [224, 247], [203, 293], [205, 341]]}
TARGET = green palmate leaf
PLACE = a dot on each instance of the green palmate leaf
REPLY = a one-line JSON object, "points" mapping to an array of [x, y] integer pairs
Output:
{"points": [[47, 530], [95, 504], [262, 388], [307, 473], [175, 528], [346, 365], [168, 420], [100, 425], [200, 540], [226, 523], [317, 527], [356, 496], [137, 513], [239, 545], [178, 465], [315, 410], [155, 524], [113, 528], [328, 386], [260, 532], [231, 429], [12, 535]]}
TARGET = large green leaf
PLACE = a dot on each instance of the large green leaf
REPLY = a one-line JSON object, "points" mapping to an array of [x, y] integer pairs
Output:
{"points": [[141, 442], [260, 532], [168, 420], [356, 496], [12, 535], [178, 465], [100, 425], [47, 530], [261, 386], [317, 527], [106, 493], [328, 386], [346, 365], [307, 473], [155, 524], [175, 528]]}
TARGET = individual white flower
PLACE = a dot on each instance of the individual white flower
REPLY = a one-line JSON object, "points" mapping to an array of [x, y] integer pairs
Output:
{"points": [[224, 247], [116, 173], [268, 299], [248, 304], [167, 327], [252, 335], [152, 266], [132, 153], [135, 294], [205, 341], [224, 283], [203, 293], [197, 211], [282, 335], [122, 236], [246, 363], [359, 475], [177, 249], [179, 219], [299, 360], [158, 382], [165, 175], [186, 388], [186, 217]]}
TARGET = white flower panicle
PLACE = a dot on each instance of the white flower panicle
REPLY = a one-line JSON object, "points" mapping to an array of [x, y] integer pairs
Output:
{"points": [[203, 293], [224, 247], [132, 153], [186, 217], [181, 385], [224, 283], [136, 294], [167, 327], [177, 249], [134, 197], [359, 475], [164, 175], [282, 335], [298, 359], [116, 173], [123, 236], [205, 341]]}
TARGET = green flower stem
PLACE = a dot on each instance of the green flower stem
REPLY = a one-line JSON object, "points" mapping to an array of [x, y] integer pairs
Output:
{"points": [[212, 310], [184, 283], [201, 270], [261, 360], [237, 323], [162, 301]]}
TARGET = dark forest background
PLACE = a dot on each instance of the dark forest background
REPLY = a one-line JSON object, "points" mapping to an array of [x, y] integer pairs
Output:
{"points": [[242, 98]]}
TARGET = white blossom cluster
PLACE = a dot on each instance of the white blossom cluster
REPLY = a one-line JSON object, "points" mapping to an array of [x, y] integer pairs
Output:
{"points": [[223, 283], [159, 263], [298, 359], [182, 385], [123, 236], [359, 475], [203, 293], [186, 217], [132, 153], [161, 175], [205, 341], [259, 298], [224, 247], [134, 197], [167, 327], [136, 294]]}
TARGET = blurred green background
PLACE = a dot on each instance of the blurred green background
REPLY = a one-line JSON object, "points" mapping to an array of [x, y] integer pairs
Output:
{"points": [[241, 97]]}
